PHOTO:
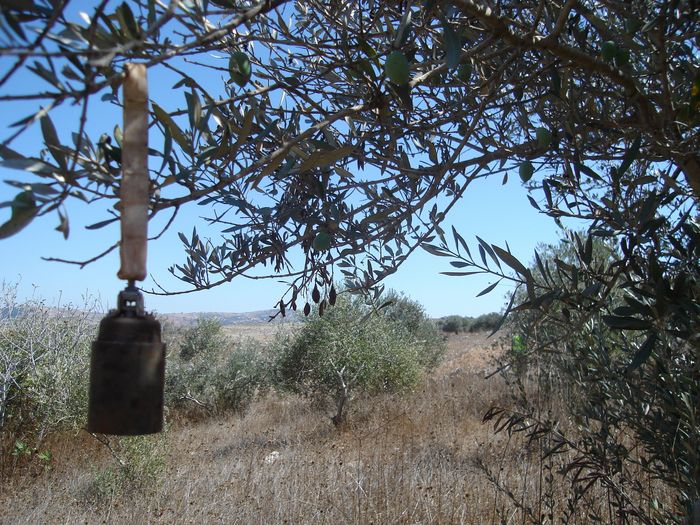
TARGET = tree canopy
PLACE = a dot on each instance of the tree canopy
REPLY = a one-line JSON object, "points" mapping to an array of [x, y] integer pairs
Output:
{"points": [[348, 130]]}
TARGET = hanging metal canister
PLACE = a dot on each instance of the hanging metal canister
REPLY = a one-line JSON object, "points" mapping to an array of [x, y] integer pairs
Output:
{"points": [[128, 358], [127, 370]]}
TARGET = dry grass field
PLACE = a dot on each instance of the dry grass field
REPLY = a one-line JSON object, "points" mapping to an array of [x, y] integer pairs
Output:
{"points": [[413, 459], [265, 332]]}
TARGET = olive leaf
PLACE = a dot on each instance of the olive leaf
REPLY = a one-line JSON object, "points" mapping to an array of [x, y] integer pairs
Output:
{"points": [[24, 209]]}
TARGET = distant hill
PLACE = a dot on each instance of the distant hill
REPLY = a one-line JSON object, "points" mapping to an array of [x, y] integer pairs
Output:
{"points": [[183, 319], [230, 318]]}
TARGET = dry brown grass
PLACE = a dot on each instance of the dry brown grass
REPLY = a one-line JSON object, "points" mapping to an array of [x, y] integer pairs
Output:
{"points": [[410, 459], [265, 332]]}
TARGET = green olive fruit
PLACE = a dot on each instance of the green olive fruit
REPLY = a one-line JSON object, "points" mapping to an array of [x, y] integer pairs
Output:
{"points": [[239, 68], [608, 50], [632, 25], [397, 68], [465, 71], [526, 170], [322, 241], [544, 137], [622, 57], [24, 209]]}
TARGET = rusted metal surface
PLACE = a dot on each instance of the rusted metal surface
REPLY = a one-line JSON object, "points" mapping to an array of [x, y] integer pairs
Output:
{"points": [[127, 370]]}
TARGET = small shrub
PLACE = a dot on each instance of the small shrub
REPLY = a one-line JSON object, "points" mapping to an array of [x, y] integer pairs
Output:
{"points": [[458, 324], [455, 324], [203, 340], [44, 360], [138, 464], [349, 351], [485, 322], [208, 369], [244, 373], [194, 354]]}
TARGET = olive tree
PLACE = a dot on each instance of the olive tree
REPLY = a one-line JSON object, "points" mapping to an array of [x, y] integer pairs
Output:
{"points": [[615, 310], [345, 132], [354, 350]]}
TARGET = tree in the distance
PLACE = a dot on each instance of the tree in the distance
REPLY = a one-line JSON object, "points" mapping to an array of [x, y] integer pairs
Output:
{"points": [[354, 350]]}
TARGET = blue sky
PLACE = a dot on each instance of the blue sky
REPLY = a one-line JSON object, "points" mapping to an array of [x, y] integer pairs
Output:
{"points": [[490, 210], [495, 212]]}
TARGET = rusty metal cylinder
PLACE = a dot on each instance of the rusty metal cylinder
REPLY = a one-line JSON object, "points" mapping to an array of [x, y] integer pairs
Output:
{"points": [[127, 371]]}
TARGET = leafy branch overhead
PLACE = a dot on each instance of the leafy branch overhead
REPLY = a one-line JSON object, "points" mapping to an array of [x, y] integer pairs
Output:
{"points": [[339, 135], [610, 318], [342, 132]]}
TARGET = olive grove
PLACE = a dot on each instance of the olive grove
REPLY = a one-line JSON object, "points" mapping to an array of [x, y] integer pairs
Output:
{"points": [[346, 131]]}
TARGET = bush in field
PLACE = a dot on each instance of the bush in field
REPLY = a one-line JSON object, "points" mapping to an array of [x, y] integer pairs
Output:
{"points": [[139, 462], [244, 372], [205, 339], [485, 322], [44, 360], [193, 353], [454, 324], [207, 368], [411, 317], [457, 324], [353, 350]]}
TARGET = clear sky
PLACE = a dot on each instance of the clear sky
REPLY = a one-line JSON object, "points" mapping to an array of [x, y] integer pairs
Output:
{"points": [[495, 212]]}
